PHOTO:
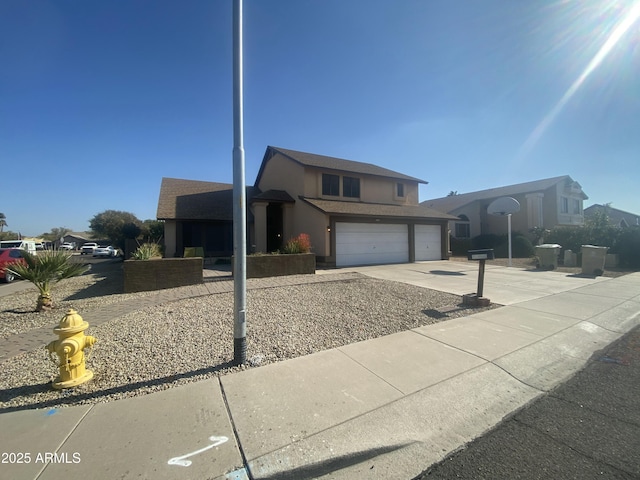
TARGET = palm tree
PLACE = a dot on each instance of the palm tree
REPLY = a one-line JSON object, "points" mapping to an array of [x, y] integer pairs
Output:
{"points": [[45, 269], [3, 221]]}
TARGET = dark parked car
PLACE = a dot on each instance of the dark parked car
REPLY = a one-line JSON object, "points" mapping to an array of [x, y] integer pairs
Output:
{"points": [[7, 257]]}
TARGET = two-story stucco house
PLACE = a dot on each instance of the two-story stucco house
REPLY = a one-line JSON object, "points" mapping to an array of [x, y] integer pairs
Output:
{"points": [[355, 213], [546, 203]]}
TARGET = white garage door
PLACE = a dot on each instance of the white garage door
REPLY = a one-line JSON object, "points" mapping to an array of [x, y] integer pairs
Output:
{"points": [[428, 242], [371, 243]]}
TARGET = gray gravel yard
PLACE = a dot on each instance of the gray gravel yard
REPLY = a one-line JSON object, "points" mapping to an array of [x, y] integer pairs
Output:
{"points": [[176, 342]]}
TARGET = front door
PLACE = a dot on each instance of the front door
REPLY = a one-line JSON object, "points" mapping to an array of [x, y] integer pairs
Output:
{"points": [[274, 227]]}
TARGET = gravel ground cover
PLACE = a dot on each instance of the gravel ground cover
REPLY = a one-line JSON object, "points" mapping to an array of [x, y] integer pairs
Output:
{"points": [[100, 286], [176, 342]]}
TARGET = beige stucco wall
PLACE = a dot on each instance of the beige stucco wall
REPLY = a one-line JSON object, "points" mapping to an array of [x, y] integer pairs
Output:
{"points": [[372, 189], [283, 174], [169, 238], [472, 211], [314, 223]]}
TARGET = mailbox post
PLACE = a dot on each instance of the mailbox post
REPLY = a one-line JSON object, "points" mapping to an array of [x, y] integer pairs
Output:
{"points": [[477, 299]]}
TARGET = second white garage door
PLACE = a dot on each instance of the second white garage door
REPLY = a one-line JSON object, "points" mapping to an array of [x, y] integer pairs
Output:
{"points": [[371, 243], [428, 242]]}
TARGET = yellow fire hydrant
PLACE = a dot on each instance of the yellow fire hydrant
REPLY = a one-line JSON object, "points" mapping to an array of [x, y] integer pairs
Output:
{"points": [[70, 350]]}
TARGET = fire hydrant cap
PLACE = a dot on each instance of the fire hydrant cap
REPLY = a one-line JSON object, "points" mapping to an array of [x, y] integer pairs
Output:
{"points": [[71, 323]]}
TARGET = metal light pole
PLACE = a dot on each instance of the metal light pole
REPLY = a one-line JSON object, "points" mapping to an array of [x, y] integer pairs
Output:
{"points": [[509, 227], [239, 199]]}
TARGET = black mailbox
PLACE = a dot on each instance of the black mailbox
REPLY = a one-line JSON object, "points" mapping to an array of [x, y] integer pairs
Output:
{"points": [[482, 254]]}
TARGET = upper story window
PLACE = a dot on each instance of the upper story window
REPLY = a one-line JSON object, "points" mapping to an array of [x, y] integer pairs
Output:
{"points": [[351, 187], [400, 190], [576, 206], [330, 184], [564, 205]]}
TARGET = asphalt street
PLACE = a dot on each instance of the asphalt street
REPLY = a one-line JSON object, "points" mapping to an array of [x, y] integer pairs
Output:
{"points": [[586, 428]]}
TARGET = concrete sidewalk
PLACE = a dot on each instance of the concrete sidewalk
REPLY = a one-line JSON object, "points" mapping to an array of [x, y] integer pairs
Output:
{"points": [[386, 408]]}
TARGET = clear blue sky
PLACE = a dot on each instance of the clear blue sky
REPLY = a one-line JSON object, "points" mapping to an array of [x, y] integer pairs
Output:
{"points": [[101, 99]]}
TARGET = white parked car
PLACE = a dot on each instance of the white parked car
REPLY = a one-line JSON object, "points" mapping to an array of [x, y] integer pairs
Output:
{"points": [[88, 248], [67, 246], [108, 251]]}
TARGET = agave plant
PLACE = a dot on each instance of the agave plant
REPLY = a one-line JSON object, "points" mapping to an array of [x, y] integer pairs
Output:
{"points": [[147, 251], [45, 269]]}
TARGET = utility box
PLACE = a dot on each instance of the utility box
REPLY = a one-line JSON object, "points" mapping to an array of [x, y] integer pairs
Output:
{"points": [[593, 259], [483, 254], [547, 254]]}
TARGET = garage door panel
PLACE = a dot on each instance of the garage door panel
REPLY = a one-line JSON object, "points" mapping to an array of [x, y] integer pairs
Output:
{"points": [[428, 241], [371, 243]]}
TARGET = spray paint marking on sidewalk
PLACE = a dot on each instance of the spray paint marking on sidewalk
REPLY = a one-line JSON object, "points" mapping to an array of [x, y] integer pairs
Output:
{"points": [[185, 463]]}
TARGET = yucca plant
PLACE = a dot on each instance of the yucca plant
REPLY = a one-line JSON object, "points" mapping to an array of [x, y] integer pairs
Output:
{"points": [[147, 251], [45, 269]]}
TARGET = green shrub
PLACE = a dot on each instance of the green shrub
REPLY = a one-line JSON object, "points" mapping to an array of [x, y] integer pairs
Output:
{"points": [[488, 240], [460, 246], [628, 247], [521, 246]]}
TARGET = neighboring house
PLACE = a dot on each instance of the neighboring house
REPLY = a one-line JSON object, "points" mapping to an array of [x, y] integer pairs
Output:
{"points": [[617, 218], [77, 238], [546, 203], [355, 213]]}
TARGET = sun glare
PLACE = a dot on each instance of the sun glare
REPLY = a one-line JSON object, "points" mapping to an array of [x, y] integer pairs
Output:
{"points": [[621, 24]]}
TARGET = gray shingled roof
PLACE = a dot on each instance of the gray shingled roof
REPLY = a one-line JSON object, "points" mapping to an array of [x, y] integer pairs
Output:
{"points": [[332, 163], [196, 200], [335, 207], [448, 204]]}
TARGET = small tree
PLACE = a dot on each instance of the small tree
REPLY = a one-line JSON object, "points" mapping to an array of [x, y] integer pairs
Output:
{"points": [[153, 230], [116, 226], [45, 269], [56, 234]]}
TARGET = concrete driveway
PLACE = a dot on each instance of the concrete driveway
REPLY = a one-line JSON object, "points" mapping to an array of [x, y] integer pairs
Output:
{"points": [[503, 285]]}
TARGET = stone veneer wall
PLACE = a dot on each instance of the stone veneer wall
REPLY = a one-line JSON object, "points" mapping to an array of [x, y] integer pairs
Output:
{"points": [[259, 266], [160, 273]]}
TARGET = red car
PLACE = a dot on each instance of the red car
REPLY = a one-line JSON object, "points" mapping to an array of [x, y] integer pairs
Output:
{"points": [[7, 257]]}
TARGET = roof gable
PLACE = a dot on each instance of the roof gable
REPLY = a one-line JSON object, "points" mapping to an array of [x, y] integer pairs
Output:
{"points": [[331, 163], [453, 202], [196, 200]]}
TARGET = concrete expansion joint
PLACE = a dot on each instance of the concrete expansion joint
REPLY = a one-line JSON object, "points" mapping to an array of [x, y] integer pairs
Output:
{"points": [[245, 463]]}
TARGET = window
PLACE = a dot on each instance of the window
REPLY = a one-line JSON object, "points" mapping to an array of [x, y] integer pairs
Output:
{"points": [[400, 190], [564, 205], [463, 230], [330, 184], [576, 206], [351, 187]]}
